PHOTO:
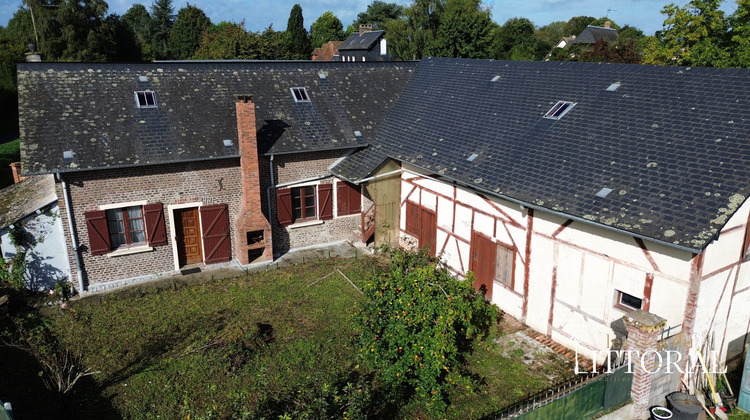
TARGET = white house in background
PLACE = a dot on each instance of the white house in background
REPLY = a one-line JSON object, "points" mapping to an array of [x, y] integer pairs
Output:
{"points": [[31, 205], [576, 192]]}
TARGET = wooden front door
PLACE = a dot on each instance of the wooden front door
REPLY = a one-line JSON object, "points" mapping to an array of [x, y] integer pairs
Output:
{"points": [[483, 256], [187, 227], [428, 231]]}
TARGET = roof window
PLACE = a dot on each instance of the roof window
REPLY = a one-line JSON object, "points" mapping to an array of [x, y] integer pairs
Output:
{"points": [[561, 108], [613, 87], [300, 94], [145, 99], [495, 79]]}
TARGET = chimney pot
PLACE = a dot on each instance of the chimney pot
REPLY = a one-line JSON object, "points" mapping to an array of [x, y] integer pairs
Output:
{"points": [[364, 28], [608, 24]]}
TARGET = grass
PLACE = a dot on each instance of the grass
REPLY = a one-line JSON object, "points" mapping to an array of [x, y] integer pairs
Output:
{"points": [[9, 152], [247, 347]]}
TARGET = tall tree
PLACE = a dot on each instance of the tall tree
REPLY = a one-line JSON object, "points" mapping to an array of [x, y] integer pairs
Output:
{"points": [[81, 25], [139, 21], [298, 40], [693, 35], [739, 36], [327, 28], [378, 13], [162, 19], [577, 24], [551, 33], [187, 32], [515, 40], [118, 33], [35, 22], [413, 37], [465, 31]]}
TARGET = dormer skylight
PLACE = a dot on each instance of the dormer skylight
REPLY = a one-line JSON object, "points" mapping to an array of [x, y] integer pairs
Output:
{"points": [[561, 108], [300, 94], [145, 99]]}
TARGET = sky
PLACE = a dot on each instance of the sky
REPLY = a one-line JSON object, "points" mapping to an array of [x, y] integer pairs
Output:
{"points": [[259, 14]]}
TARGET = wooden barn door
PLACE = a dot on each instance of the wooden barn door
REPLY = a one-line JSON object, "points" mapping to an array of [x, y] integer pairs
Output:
{"points": [[187, 228], [428, 230], [483, 256], [216, 239]]}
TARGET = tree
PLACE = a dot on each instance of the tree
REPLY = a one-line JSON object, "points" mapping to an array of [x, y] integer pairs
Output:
{"points": [[417, 323], [739, 36], [118, 33], [21, 27], [297, 38], [187, 32], [81, 28], [413, 37], [378, 13], [228, 41], [162, 19], [577, 24], [272, 45], [139, 21], [552, 33], [693, 35], [327, 28], [515, 40], [465, 31]]}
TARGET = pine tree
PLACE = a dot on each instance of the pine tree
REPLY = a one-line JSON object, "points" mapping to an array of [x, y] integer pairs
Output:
{"points": [[327, 28], [162, 19], [297, 38], [187, 32]]}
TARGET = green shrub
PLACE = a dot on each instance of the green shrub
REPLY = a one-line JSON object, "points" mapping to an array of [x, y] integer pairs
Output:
{"points": [[417, 323]]}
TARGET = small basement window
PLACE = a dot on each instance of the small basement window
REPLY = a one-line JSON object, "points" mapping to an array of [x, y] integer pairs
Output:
{"points": [[300, 94], [561, 108], [628, 302], [145, 99]]}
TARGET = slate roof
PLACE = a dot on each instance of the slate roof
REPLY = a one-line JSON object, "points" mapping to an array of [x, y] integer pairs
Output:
{"points": [[363, 41], [90, 109], [593, 34], [23, 198], [672, 143]]}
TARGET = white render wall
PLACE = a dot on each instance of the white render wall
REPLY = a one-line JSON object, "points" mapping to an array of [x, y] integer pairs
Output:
{"points": [[47, 261], [583, 264]]}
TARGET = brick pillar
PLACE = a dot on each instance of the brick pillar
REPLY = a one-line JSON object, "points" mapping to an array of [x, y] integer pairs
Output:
{"points": [[15, 167], [251, 221], [644, 329]]}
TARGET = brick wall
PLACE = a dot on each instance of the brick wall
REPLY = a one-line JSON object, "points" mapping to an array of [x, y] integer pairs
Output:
{"points": [[210, 182], [296, 167]]}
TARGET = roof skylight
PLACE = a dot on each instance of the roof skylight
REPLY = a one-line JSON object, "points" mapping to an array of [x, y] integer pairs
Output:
{"points": [[561, 108], [495, 79], [604, 192], [613, 87], [472, 157], [300, 94], [145, 99]]}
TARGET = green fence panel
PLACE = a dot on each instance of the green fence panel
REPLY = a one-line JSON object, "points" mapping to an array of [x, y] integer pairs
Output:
{"points": [[583, 403], [618, 388]]}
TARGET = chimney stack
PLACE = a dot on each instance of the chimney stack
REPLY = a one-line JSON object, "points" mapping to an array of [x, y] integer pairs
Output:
{"points": [[32, 56], [252, 230], [365, 28], [15, 167], [608, 25]]}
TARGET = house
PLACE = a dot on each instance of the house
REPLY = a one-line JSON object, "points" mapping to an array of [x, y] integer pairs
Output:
{"points": [[29, 213], [575, 192], [169, 166], [588, 37], [365, 45], [327, 52]]}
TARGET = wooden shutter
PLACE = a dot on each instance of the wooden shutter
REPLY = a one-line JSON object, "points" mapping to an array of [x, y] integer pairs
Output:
{"points": [[355, 198], [504, 265], [284, 207], [428, 231], [342, 199], [96, 223], [325, 197], [412, 218], [217, 245], [153, 215]]}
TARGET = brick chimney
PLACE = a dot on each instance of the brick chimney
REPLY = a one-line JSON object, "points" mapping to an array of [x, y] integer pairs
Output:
{"points": [[608, 25], [15, 167], [252, 228], [365, 28]]}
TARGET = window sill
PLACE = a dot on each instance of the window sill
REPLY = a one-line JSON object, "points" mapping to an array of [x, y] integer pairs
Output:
{"points": [[624, 308], [306, 224], [130, 251]]}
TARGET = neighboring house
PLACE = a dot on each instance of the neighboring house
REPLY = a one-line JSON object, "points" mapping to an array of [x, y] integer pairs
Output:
{"points": [[30, 207], [365, 45], [327, 52], [169, 165], [576, 192], [589, 36]]}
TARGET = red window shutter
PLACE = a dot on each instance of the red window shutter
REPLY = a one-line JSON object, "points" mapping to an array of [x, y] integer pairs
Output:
{"points": [[156, 230], [96, 223], [284, 207], [325, 197], [355, 199], [216, 241], [342, 199], [412, 218]]}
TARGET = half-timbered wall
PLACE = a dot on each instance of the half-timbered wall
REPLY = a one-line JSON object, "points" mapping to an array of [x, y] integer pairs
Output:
{"points": [[566, 274]]}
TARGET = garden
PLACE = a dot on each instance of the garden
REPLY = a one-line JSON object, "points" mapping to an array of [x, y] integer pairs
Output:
{"points": [[389, 336]]}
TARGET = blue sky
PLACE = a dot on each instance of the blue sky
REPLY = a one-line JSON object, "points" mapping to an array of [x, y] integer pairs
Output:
{"points": [[258, 14]]}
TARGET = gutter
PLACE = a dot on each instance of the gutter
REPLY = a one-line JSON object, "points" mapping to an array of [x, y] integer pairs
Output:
{"points": [[398, 171], [73, 235], [560, 214]]}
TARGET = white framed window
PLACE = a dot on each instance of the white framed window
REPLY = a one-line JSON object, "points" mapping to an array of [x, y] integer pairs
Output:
{"points": [[145, 99], [300, 94]]}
